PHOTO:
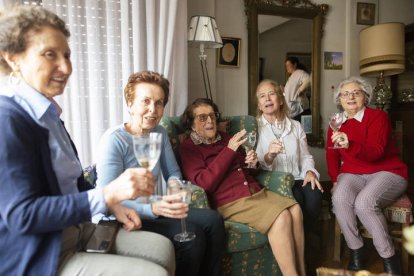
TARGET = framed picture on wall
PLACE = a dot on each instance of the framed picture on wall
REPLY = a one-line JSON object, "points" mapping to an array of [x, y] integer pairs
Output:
{"points": [[365, 13], [229, 54], [332, 60], [306, 122]]}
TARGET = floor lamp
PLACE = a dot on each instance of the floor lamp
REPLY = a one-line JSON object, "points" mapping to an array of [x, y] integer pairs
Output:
{"points": [[381, 54], [203, 33]]}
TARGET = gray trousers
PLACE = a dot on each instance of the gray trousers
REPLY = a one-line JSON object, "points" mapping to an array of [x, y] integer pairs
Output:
{"points": [[364, 196], [133, 253]]}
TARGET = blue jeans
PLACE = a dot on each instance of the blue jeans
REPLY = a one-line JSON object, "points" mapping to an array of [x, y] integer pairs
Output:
{"points": [[201, 256]]}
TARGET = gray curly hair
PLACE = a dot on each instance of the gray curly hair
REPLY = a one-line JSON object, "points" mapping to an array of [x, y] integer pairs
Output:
{"points": [[363, 85]]}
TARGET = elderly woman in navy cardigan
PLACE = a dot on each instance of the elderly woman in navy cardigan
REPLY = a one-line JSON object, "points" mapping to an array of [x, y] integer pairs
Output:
{"points": [[212, 160], [44, 203]]}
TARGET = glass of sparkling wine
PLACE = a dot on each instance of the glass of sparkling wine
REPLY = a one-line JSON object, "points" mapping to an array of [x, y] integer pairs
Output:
{"points": [[182, 187], [335, 122], [249, 144], [147, 150]]}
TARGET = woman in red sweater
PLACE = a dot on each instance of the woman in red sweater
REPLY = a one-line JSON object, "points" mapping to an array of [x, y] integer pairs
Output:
{"points": [[367, 174], [212, 160]]}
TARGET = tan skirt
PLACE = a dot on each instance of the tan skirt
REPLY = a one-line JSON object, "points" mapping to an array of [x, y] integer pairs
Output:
{"points": [[258, 211]]}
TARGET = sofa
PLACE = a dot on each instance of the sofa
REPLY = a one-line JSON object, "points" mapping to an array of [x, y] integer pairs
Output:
{"points": [[247, 252]]}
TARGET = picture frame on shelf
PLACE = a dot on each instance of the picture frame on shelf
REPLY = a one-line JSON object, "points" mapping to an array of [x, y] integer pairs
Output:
{"points": [[229, 54], [306, 122], [365, 13]]}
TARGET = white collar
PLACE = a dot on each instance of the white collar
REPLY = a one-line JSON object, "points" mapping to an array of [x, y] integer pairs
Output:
{"points": [[358, 116]]}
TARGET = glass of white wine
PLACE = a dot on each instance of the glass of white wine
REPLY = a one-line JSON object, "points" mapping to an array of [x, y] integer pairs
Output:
{"points": [[182, 187], [147, 150], [249, 144]]}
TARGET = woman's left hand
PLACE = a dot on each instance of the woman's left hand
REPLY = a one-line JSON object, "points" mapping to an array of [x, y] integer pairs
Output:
{"points": [[171, 206], [311, 178], [251, 158], [341, 138], [127, 216]]}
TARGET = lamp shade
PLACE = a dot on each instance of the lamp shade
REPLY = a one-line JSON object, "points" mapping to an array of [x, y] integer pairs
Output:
{"points": [[203, 30], [382, 50]]}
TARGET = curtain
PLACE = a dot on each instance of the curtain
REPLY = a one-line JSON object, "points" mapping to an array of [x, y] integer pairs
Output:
{"points": [[110, 39]]}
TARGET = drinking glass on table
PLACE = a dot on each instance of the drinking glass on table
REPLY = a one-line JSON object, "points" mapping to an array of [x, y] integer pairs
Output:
{"points": [[335, 122], [147, 150], [249, 144], [182, 187]]}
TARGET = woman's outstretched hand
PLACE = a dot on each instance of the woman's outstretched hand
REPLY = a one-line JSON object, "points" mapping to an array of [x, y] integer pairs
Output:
{"points": [[132, 183], [311, 178], [237, 140]]}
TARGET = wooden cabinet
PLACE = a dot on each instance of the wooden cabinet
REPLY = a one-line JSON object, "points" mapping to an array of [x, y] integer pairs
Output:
{"points": [[401, 111], [402, 119]]}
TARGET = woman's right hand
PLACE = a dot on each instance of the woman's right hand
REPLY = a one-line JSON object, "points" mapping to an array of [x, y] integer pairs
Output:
{"points": [[275, 147], [127, 216], [237, 140], [132, 183], [171, 206]]}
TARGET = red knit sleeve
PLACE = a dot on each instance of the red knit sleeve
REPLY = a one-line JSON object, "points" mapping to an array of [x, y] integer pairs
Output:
{"points": [[196, 169]]}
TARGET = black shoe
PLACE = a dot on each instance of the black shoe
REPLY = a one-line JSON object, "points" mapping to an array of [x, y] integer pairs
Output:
{"points": [[392, 265], [357, 259]]}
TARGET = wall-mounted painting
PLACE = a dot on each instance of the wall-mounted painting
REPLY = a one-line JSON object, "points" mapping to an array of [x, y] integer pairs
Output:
{"points": [[365, 13], [229, 54], [333, 60]]}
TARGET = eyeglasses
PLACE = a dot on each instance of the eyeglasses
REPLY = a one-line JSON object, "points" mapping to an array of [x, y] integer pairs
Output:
{"points": [[203, 117], [355, 93]]}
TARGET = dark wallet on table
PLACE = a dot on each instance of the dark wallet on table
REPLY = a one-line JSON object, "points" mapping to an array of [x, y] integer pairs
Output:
{"points": [[103, 237]]}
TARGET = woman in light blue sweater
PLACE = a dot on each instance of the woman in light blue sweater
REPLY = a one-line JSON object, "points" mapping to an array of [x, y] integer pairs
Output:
{"points": [[146, 95]]}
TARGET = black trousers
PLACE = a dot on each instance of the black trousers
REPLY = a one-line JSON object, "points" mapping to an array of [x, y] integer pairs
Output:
{"points": [[201, 256], [310, 202]]}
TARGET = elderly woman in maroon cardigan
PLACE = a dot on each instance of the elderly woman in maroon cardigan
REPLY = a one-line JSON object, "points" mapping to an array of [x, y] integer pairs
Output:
{"points": [[211, 159]]}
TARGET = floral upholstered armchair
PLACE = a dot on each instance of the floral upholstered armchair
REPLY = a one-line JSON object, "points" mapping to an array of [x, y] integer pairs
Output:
{"points": [[247, 252]]}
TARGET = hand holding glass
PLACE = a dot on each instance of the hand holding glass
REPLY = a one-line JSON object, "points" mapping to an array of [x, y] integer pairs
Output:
{"points": [[147, 150], [335, 122], [182, 187], [249, 144]]}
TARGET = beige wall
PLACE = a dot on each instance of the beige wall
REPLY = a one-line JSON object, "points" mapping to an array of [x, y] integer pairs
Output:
{"points": [[341, 33]]}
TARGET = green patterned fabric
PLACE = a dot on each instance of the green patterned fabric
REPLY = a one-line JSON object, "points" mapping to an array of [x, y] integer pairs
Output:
{"points": [[248, 252]]}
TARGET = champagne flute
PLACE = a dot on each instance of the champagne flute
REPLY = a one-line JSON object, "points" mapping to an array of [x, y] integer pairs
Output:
{"points": [[147, 150], [182, 187], [249, 144], [335, 122]]}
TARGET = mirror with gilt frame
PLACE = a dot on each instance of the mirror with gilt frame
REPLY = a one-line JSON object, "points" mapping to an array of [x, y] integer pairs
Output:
{"points": [[303, 9]]}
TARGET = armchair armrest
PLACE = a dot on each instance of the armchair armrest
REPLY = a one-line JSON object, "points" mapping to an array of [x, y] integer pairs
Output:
{"points": [[278, 182], [198, 198]]}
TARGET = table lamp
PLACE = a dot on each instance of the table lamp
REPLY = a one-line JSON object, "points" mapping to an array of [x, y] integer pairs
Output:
{"points": [[203, 33], [381, 54]]}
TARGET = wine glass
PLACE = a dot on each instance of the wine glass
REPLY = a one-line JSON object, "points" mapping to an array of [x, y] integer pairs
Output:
{"points": [[249, 144], [147, 150], [182, 187], [335, 122]]}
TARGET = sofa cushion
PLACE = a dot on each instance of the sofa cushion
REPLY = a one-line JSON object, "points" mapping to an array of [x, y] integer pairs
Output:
{"points": [[241, 237]]}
